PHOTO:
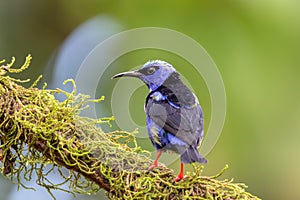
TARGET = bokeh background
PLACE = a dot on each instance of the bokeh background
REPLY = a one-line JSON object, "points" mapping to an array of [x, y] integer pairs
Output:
{"points": [[255, 45]]}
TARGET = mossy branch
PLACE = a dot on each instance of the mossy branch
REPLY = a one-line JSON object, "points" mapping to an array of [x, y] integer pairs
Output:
{"points": [[40, 135]]}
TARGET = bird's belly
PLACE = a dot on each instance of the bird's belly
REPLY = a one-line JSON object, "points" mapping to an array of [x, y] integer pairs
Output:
{"points": [[175, 144]]}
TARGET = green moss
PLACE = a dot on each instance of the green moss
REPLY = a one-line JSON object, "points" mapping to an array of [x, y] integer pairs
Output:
{"points": [[40, 135]]}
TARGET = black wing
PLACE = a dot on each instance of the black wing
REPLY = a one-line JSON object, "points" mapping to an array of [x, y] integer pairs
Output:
{"points": [[185, 122]]}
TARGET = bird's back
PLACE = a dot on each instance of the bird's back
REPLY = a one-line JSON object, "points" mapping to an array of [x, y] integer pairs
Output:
{"points": [[175, 109]]}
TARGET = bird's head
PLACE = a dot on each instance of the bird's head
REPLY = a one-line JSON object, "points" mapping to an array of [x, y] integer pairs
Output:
{"points": [[153, 73]]}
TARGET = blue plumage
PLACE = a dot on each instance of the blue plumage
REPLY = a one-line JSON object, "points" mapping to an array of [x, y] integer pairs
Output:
{"points": [[174, 117]]}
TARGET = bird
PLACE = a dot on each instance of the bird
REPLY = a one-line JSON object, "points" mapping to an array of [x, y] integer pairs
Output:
{"points": [[174, 117]]}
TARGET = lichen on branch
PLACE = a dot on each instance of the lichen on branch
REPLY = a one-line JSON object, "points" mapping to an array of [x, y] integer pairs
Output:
{"points": [[41, 135]]}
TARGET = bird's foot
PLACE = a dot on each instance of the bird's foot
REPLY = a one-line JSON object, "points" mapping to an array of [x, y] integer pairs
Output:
{"points": [[154, 165], [179, 177]]}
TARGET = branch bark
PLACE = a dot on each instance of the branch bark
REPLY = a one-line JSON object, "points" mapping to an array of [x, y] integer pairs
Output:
{"points": [[36, 130]]}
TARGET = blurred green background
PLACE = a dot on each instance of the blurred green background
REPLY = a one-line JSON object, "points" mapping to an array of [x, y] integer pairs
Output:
{"points": [[255, 44]]}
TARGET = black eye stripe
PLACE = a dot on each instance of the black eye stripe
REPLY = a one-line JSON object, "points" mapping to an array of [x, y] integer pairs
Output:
{"points": [[149, 70]]}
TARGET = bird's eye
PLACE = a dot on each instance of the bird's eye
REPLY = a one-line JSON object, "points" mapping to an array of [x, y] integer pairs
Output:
{"points": [[151, 70]]}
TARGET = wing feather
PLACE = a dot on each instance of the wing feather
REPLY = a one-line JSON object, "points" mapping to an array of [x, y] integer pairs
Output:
{"points": [[186, 123]]}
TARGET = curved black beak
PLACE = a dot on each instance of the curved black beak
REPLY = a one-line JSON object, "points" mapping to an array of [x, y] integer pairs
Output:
{"points": [[136, 74]]}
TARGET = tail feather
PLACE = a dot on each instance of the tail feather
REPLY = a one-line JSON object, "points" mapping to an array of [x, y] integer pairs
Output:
{"points": [[191, 155]]}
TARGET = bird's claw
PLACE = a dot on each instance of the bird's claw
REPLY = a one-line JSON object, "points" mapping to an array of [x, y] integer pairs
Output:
{"points": [[152, 167], [179, 177]]}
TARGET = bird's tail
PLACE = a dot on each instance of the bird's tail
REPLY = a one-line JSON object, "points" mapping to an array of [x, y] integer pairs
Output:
{"points": [[191, 155]]}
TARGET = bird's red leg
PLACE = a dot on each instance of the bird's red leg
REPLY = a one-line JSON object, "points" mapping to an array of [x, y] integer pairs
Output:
{"points": [[155, 163], [180, 175]]}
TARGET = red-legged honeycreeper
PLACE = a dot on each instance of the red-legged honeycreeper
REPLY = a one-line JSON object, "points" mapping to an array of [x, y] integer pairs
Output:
{"points": [[174, 117]]}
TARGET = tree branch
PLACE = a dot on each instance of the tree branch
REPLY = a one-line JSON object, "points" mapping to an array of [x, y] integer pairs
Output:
{"points": [[37, 131]]}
